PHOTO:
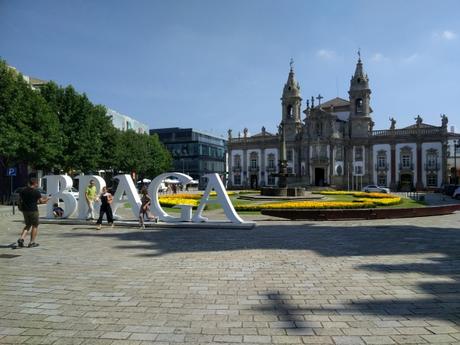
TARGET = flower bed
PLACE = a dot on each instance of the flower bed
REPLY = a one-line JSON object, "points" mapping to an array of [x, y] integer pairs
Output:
{"points": [[382, 201], [171, 202], [358, 194], [306, 205]]}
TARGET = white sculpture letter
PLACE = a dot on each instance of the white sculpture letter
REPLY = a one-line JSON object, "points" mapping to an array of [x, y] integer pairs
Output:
{"points": [[156, 207], [126, 186], [215, 183], [56, 186]]}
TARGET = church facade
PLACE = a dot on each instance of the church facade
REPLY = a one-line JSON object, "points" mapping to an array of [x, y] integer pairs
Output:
{"points": [[334, 143]]}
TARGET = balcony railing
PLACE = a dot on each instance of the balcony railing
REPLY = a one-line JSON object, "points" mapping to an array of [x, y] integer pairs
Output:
{"points": [[406, 166], [432, 167], [253, 169], [319, 160], [270, 169], [236, 169], [382, 167]]}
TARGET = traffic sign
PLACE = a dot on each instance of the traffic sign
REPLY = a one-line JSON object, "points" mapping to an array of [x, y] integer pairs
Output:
{"points": [[11, 172]]}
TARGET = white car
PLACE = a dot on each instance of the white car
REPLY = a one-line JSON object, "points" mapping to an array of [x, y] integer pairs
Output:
{"points": [[372, 188], [456, 194], [72, 191]]}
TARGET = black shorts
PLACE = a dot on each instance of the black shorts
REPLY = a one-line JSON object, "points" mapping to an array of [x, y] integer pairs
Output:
{"points": [[30, 218]]}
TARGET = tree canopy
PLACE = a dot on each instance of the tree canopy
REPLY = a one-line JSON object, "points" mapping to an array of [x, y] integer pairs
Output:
{"points": [[58, 129]]}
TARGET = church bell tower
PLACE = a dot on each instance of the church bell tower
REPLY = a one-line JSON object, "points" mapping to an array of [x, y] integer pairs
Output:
{"points": [[291, 104], [360, 110]]}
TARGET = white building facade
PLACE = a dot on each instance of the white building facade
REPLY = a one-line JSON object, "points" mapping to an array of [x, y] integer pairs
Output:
{"points": [[335, 144]]}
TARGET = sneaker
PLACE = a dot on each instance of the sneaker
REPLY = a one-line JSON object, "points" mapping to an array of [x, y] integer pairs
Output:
{"points": [[32, 245], [98, 227], [112, 225], [21, 243]]}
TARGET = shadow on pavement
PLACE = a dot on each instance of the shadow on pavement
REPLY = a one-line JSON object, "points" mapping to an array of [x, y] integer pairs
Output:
{"points": [[443, 301]]}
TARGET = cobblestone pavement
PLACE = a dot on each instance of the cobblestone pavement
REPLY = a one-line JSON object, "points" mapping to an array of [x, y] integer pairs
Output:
{"points": [[355, 282]]}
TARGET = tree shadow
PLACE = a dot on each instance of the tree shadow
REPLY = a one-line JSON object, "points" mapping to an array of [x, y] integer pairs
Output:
{"points": [[436, 251]]}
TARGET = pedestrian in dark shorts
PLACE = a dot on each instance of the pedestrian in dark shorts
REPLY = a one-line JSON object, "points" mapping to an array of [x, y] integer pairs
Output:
{"points": [[29, 198], [106, 200]]}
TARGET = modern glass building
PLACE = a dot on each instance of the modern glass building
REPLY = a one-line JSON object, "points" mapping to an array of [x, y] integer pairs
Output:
{"points": [[194, 153]]}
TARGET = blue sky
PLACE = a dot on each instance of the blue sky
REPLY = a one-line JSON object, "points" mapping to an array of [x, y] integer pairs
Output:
{"points": [[215, 65]]}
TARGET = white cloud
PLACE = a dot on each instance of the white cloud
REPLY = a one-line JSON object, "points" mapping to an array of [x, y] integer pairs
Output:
{"points": [[325, 54], [410, 58], [379, 57], [446, 35]]}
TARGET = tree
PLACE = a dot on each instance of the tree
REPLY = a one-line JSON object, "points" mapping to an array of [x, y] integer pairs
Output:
{"points": [[29, 128]]}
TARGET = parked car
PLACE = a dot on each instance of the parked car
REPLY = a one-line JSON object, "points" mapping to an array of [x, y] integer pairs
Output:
{"points": [[456, 194], [449, 189], [15, 195], [372, 188], [73, 191]]}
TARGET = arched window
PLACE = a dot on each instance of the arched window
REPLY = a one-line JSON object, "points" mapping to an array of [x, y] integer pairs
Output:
{"points": [[359, 105]]}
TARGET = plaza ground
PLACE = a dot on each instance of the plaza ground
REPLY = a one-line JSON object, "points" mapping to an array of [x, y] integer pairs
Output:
{"points": [[356, 282]]}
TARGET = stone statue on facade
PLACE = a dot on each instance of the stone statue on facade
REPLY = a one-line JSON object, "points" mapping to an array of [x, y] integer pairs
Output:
{"points": [[444, 120], [418, 120], [371, 125], [393, 123], [245, 133], [229, 134]]}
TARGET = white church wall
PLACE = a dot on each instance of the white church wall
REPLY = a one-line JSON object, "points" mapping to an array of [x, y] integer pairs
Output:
{"points": [[425, 147], [375, 150], [232, 157]]}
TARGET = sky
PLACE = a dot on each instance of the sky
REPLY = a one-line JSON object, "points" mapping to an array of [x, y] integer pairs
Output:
{"points": [[216, 65]]}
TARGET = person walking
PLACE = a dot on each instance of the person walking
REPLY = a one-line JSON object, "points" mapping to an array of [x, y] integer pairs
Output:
{"points": [[145, 207], [30, 197], [106, 201], [90, 195]]}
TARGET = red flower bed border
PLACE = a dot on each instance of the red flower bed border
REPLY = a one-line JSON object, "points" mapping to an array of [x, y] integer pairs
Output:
{"points": [[373, 213]]}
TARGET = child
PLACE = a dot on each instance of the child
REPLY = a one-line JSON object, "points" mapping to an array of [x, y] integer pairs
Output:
{"points": [[57, 211], [106, 200], [145, 208]]}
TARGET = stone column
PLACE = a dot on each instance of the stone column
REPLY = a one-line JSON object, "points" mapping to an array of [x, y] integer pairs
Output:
{"points": [[244, 170], [444, 161], [263, 173], [393, 184], [230, 167], [419, 184], [331, 162]]}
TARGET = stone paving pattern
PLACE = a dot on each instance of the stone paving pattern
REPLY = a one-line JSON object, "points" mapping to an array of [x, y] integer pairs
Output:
{"points": [[354, 282]]}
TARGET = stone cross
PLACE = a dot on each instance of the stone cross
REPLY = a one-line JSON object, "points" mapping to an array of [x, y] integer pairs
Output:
{"points": [[319, 98]]}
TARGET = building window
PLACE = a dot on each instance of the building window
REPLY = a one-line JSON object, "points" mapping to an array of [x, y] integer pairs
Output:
{"points": [[432, 159], [237, 161], [405, 160], [289, 170], [338, 153], [253, 160], [358, 170], [237, 179], [271, 161], [432, 180], [359, 105], [270, 180], [358, 154], [382, 180]]}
